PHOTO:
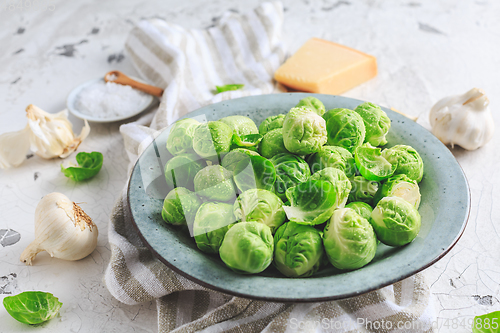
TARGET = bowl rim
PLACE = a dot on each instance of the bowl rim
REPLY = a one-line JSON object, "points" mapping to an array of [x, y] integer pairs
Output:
{"points": [[300, 300]]}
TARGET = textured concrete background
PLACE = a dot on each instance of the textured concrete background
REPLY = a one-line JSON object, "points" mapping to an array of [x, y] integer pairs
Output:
{"points": [[425, 49]]}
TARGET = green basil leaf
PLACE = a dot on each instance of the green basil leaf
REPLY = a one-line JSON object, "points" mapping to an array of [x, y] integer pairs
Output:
{"points": [[32, 307], [487, 323], [249, 140], [89, 165], [229, 87]]}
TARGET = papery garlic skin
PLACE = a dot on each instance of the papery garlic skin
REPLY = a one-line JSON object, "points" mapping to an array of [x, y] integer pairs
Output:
{"points": [[465, 120], [52, 135], [62, 229]]}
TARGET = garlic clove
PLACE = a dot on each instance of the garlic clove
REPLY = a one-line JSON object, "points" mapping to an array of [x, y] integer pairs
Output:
{"points": [[62, 229], [465, 120], [13, 148], [52, 134], [48, 135]]}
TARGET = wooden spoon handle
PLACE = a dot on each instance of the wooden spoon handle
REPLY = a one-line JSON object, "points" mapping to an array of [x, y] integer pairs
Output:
{"points": [[120, 78]]}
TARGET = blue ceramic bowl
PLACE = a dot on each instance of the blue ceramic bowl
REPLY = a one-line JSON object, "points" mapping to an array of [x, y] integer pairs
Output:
{"points": [[444, 209]]}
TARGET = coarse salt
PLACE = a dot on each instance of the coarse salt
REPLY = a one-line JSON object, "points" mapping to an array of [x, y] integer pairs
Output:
{"points": [[108, 100]]}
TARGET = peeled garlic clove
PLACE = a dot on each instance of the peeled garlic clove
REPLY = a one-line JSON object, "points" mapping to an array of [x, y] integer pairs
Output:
{"points": [[52, 135], [62, 229], [465, 120], [13, 148]]}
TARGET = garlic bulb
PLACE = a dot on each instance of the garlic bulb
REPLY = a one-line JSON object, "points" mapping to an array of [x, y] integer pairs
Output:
{"points": [[464, 120], [48, 135], [62, 229]]}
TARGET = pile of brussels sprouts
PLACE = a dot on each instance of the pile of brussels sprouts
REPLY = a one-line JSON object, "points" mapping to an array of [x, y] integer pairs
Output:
{"points": [[302, 190]]}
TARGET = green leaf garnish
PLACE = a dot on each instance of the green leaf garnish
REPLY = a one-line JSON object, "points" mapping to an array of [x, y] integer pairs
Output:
{"points": [[249, 140], [89, 165], [229, 87], [489, 322], [32, 307]]}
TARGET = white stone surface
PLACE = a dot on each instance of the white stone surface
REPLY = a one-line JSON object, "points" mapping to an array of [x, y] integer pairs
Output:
{"points": [[425, 50]]}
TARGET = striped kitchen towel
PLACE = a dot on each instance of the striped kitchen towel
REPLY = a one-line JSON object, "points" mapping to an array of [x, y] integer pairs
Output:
{"points": [[189, 63]]}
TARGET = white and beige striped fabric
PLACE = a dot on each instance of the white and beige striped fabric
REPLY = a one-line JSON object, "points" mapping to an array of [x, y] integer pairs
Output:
{"points": [[189, 63]]}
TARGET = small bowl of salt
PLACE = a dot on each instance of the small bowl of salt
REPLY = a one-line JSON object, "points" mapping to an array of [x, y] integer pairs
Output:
{"points": [[102, 102]]}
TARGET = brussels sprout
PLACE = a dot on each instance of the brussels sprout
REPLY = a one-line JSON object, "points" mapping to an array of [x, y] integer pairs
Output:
{"points": [[312, 103], [362, 208], [89, 165], [214, 182], [246, 141], [290, 171], [407, 161], [271, 123], [212, 221], [331, 113], [334, 157], [304, 132], [254, 172], [345, 128], [181, 170], [311, 202], [399, 186], [349, 240], [240, 125], [395, 221], [261, 206], [254, 148], [377, 123], [236, 155], [298, 250], [247, 247], [180, 206], [339, 181], [211, 139], [363, 189], [371, 164], [180, 138], [31, 307], [272, 144]]}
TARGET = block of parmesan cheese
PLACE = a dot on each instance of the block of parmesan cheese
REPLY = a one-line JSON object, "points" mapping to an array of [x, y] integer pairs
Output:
{"points": [[324, 67]]}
